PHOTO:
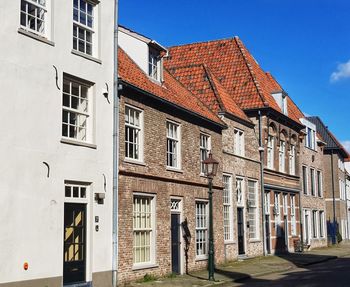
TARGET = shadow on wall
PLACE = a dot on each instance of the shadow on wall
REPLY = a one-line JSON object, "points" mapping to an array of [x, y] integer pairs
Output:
{"points": [[334, 235]]}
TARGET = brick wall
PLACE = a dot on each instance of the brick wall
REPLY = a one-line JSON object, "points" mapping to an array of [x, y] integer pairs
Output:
{"points": [[153, 178]]}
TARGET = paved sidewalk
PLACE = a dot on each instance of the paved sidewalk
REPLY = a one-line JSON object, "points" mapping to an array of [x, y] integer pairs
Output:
{"points": [[240, 270]]}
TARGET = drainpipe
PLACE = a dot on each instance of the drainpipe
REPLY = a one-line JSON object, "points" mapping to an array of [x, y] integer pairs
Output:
{"points": [[333, 195], [301, 220], [261, 151], [115, 150]]}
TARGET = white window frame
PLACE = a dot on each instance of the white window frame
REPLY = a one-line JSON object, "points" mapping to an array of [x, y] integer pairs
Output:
{"points": [[314, 223], [310, 140], [202, 226], [293, 215], [176, 164], [46, 8], [319, 183], [267, 203], [154, 64], [78, 26], [238, 144], [282, 156], [270, 152], [240, 191], [137, 133], [285, 204], [83, 118], [321, 224], [305, 177], [253, 214], [151, 230], [313, 182], [277, 209], [227, 208], [205, 147], [292, 160]]}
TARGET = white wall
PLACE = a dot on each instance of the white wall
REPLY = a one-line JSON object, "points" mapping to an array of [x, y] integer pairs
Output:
{"points": [[32, 205], [136, 49]]}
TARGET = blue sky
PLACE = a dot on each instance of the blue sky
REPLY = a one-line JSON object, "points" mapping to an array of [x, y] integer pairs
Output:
{"points": [[305, 44]]}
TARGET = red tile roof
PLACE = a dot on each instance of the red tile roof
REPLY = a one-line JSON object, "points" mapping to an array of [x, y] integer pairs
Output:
{"points": [[170, 89], [203, 83], [236, 70]]}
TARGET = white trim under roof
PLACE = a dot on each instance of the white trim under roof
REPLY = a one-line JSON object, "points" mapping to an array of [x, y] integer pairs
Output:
{"points": [[142, 38]]}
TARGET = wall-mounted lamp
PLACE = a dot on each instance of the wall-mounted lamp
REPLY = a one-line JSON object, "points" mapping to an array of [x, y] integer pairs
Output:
{"points": [[99, 197]]}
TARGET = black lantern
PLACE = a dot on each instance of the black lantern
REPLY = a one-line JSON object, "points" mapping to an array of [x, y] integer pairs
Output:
{"points": [[210, 169], [210, 166]]}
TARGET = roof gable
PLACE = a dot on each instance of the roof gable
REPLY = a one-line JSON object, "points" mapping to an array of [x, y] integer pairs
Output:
{"points": [[236, 70]]}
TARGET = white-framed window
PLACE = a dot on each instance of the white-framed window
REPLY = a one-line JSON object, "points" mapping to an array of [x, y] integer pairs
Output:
{"points": [[277, 213], [277, 207], [282, 156], [313, 181], [342, 189], [238, 144], [314, 223], [35, 16], [153, 64], [227, 209], [143, 229], [310, 141], [319, 184], [84, 26], [267, 202], [285, 204], [284, 105], [173, 144], [202, 223], [76, 110], [253, 209], [292, 160], [204, 142], [305, 180], [322, 223], [76, 192], [270, 152], [240, 191], [292, 216], [133, 133]]}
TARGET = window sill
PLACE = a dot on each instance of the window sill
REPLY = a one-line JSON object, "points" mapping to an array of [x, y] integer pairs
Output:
{"points": [[134, 161], [229, 242], [77, 53], [144, 266], [35, 36], [78, 143], [254, 240], [201, 258], [174, 169]]}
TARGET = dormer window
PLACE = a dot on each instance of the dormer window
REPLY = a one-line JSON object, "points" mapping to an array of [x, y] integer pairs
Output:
{"points": [[153, 65], [282, 101], [310, 131], [284, 104]]}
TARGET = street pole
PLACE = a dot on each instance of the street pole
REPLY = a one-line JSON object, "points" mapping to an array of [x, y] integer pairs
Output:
{"points": [[211, 233]]}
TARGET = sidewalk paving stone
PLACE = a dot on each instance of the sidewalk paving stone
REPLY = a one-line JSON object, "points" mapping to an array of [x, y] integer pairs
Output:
{"points": [[237, 271]]}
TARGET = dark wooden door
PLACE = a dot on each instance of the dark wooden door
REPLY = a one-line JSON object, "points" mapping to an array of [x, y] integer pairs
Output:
{"points": [[74, 256], [175, 243], [240, 228]]}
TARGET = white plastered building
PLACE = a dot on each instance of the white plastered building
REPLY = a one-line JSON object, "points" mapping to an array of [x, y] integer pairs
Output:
{"points": [[56, 65]]}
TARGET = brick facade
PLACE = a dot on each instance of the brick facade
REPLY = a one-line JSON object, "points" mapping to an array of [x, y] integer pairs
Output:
{"points": [[246, 167], [151, 177], [313, 159]]}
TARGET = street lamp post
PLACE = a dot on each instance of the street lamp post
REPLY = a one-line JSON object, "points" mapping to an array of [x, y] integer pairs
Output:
{"points": [[210, 169]]}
